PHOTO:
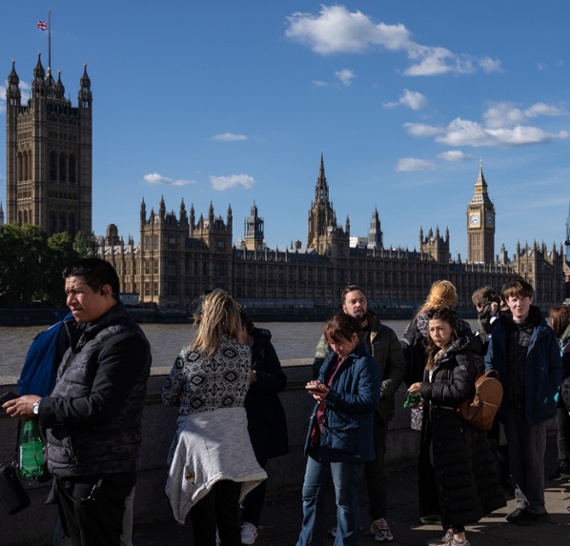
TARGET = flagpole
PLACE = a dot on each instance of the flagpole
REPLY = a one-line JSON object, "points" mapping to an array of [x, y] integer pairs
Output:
{"points": [[49, 38]]}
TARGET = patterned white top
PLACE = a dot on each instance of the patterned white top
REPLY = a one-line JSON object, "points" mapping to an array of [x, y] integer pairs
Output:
{"points": [[202, 384]]}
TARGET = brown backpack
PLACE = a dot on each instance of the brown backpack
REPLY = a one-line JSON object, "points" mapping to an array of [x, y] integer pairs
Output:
{"points": [[481, 410]]}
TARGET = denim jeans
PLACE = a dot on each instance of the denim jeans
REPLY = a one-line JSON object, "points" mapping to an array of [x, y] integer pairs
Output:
{"points": [[344, 477]]}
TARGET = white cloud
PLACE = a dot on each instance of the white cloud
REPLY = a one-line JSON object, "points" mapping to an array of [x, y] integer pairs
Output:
{"points": [[320, 83], [223, 183], [469, 133], [542, 109], [422, 130], [345, 76], [336, 30], [410, 164], [228, 137], [155, 179], [411, 99], [504, 125], [490, 65], [454, 156]]}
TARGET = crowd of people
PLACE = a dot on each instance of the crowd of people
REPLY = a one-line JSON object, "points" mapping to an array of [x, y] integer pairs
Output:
{"points": [[226, 382]]}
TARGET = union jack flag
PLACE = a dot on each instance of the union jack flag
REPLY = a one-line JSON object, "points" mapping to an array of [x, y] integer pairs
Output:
{"points": [[42, 25]]}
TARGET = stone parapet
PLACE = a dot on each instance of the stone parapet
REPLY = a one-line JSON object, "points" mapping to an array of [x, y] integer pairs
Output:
{"points": [[159, 424]]}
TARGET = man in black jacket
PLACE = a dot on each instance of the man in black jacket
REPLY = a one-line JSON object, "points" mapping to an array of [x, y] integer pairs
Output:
{"points": [[383, 344], [92, 418]]}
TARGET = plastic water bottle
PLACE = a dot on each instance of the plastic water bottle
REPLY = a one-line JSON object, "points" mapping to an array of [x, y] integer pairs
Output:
{"points": [[412, 400], [31, 451]]}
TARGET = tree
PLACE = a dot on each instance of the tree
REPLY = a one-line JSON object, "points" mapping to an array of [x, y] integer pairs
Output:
{"points": [[85, 246], [23, 260], [61, 253], [31, 264]]}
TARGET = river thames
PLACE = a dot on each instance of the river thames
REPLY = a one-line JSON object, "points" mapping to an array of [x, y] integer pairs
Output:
{"points": [[292, 341]]}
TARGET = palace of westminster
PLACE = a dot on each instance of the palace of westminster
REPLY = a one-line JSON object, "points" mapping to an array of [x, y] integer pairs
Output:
{"points": [[179, 257]]}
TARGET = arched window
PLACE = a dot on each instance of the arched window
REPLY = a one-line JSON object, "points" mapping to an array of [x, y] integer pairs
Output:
{"points": [[52, 222], [27, 165], [53, 166], [72, 226], [62, 222], [72, 169], [19, 167], [62, 167]]}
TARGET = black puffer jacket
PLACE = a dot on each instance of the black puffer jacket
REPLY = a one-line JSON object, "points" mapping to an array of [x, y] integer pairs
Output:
{"points": [[93, 416], [467, 484], [414, 340]]}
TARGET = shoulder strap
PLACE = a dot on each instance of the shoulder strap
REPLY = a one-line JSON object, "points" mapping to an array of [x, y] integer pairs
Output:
{"points": [[17, 449]]}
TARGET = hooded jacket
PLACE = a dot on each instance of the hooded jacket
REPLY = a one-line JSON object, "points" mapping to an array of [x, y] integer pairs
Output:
{"points": [[542, 367]]}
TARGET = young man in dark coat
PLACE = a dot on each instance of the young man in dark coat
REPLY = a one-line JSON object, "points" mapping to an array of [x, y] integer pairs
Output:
{"points": [[525, 352]]}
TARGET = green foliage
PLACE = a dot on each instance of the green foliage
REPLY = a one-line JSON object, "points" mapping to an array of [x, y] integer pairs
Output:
{"points": [[84, 245], [31, 264]]}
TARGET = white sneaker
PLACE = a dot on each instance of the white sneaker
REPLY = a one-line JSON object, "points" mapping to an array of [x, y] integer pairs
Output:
{"points": [[445, 539], [380, 530], [248, 533]]}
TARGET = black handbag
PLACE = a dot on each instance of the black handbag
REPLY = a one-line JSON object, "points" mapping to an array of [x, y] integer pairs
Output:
{"points": [[12, 493]]}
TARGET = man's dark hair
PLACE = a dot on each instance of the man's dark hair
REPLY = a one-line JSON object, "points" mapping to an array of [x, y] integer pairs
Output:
{"points": [[96, 274], [350, 288], [517, 288]]}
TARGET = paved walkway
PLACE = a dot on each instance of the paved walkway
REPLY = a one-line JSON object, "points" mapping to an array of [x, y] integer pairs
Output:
{"points": [[281, 519]]}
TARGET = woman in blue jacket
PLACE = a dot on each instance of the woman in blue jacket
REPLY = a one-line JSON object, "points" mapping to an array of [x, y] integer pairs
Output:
{"points": [[340, 436]]}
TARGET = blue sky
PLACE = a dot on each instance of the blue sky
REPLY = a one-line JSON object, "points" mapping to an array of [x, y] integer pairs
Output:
{"points": [[233, 102]]}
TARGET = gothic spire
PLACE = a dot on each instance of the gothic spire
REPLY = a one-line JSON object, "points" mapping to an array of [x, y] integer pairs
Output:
{"points": [[84, 96], [321, 188], [13, 95]]}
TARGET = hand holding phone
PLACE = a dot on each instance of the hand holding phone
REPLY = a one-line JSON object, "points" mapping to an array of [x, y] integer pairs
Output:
{"points": [[5, 396]]}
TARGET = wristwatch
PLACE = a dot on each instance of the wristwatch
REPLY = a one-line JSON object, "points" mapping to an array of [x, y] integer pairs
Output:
{"points": [[36, 407]]}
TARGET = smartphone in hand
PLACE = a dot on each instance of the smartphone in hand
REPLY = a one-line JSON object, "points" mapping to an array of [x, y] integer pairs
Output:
{"points": [[5, 396]]}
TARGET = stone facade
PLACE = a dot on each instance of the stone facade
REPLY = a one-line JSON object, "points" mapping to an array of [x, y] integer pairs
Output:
{"points": [[49, 154], [179, 258]]}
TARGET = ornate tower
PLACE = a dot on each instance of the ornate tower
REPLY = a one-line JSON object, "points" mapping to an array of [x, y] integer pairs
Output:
{"points": [[480, 224], [253, 231], [375, 232], [49, 154], [325, 236]]}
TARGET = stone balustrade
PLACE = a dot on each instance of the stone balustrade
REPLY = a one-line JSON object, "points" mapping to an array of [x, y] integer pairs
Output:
{"points": [[34, 526]]}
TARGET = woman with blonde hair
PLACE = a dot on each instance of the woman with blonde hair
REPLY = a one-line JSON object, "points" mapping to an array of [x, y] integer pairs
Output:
{"points": [[442, 294], [212, 463]]}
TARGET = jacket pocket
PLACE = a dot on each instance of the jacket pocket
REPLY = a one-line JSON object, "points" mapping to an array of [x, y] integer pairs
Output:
{"points": [[342, 437]]}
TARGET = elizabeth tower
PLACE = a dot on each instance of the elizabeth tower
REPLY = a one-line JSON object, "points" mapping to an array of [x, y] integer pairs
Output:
{"points": [[481, 224]]}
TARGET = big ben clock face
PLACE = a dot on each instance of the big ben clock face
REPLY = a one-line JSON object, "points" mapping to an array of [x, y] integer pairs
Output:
{"points": [[474, 219], [490, 220]]}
